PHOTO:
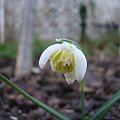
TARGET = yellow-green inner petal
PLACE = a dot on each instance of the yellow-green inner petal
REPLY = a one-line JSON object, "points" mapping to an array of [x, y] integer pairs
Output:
{"points": [[62, 61]]}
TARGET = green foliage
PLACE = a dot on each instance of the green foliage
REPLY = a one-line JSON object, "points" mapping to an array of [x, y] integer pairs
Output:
{"points": [[105, 107], [8, 49], [39, 46], [83, 16], [108, 44], [88, 46]]}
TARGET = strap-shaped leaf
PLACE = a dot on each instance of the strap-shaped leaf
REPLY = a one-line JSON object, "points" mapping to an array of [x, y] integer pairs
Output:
{"points": [[35, 101], [100, 113]]}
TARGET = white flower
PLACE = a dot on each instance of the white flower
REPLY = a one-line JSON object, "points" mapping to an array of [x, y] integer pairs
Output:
{"points": [[65, 58]]}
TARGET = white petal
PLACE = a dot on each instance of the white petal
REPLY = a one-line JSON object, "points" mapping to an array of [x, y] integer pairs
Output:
{"points": [[80, 64], [47, 53], [65, 46], [70, 77]]}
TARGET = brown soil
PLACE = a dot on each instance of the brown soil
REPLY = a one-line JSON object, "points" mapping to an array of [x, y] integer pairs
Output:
{"points": [[101, 81]]}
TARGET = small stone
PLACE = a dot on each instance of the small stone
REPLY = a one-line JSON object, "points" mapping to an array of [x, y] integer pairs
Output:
{"points": [[13, 118]]}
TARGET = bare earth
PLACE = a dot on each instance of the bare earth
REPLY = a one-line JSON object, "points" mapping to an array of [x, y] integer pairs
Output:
{"points": [[101, 81]]}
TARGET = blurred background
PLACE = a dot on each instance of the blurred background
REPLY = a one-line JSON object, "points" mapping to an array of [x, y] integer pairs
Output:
{"points": [[28, 27]]}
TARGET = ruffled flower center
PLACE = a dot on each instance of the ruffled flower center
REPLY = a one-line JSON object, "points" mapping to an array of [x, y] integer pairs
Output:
{"points": [[62, 61]]}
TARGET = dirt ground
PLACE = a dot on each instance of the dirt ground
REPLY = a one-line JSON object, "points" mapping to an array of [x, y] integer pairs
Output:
{"points": [[101, 81]]}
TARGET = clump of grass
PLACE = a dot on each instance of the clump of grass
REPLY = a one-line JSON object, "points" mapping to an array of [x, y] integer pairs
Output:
{"points": [[88, 46], [40, 45], [107, 44], [8, 49]]}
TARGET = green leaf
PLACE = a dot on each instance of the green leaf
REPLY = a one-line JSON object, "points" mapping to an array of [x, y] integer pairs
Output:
{"points": [[35, 101], [87, 118], [100, 113]]}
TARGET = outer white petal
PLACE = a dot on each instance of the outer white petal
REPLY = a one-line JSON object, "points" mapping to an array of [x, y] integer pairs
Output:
{"points": [[80, 64], [65, 46], [47, 53], [70, 77]]}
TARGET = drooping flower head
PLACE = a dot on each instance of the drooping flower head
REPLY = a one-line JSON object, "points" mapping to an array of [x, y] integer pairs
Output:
{"points": [[65, 58]]}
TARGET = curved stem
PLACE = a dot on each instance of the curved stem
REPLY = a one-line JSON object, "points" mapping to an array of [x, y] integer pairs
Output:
{"points": [[35, 101], [82, 93]]}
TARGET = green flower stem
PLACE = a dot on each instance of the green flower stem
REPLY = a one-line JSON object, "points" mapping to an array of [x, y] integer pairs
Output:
{"points": [[82, 93], [35, 101]]}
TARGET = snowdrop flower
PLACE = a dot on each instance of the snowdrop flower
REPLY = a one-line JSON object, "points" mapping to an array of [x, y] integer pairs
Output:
{"points": [[65, 58]]}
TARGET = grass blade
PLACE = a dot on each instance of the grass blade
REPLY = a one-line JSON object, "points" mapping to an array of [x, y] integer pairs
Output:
{"points": [[100, 113], [35, 101]]}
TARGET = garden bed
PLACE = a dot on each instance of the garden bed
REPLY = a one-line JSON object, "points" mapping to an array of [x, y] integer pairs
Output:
{"points": [[101, 81]]}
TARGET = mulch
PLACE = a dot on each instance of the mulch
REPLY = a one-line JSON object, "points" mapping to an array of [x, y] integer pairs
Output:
{"points": [[101, 81]]}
